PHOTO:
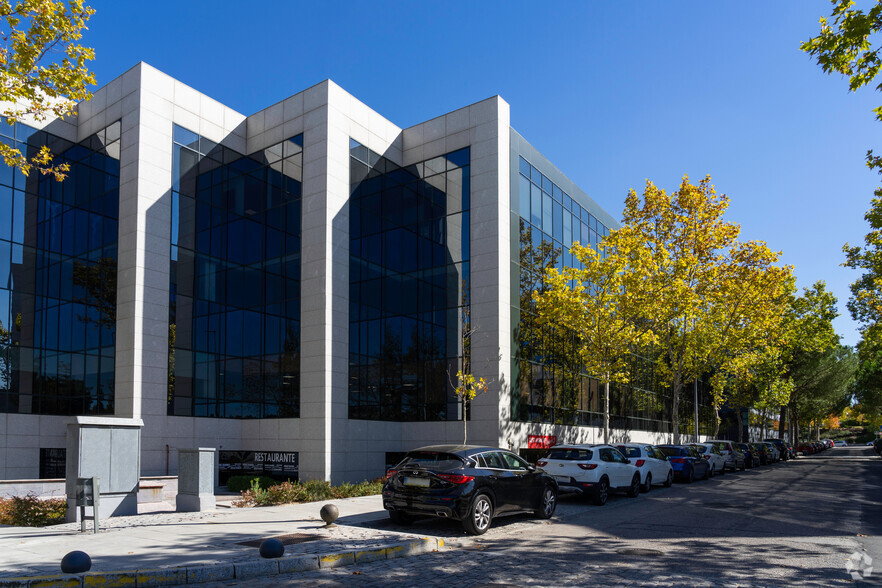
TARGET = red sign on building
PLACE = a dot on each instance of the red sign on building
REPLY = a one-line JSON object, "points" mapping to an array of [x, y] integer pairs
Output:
{"points": [[541, 441]]}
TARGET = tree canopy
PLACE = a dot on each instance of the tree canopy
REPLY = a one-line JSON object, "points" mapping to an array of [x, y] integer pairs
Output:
{"points": [[844, 45], [43, 69], [713, 297], [605, 307]]}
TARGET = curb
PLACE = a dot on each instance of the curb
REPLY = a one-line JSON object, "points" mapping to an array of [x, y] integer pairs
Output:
{"points": [[199, 574]]}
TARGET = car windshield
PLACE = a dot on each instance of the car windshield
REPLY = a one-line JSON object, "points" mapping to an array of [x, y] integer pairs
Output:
{"points": [[432, 460], [569, 454], [628, 451], [701, 448]]}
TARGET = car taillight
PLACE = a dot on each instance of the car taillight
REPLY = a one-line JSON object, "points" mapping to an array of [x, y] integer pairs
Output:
{"points": [[390, 473], [587, 466], [707, 457], [456, 478], [678, 460], [541, 463], [639, 462]]}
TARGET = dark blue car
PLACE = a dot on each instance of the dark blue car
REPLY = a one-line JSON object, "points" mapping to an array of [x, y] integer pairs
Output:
{"points": [[688, 464]]}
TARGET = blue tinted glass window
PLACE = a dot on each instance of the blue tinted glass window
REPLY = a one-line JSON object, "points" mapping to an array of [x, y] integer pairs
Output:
{"points": [[547, 186], [557, 231], [411, 229], [59, 290], [523, 193], [234, 280], [567, 228], [535, 205], [547, 220], [524, 166]]}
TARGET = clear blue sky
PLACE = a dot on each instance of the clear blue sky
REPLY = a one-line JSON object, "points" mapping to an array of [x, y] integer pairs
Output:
{"points": [[613, 93]]}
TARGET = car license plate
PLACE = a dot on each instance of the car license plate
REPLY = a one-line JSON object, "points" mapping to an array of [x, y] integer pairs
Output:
{"points": [[421, 482], [562, 478]]}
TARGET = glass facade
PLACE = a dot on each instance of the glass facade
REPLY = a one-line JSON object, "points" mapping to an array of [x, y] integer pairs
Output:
{"points": [[409, 294], [234, 295], [551, 384], [58, 254]]}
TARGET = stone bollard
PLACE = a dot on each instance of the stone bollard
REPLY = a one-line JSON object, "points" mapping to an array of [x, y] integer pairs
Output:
{"points": [[76, 562], [195, 480], [329, 514]]}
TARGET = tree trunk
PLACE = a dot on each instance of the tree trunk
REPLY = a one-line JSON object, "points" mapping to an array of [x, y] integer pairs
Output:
{"points": [[465, 422], [740, 428], [782, 422], [675, 406], [717, 429], [606, 412], [763, 424]]}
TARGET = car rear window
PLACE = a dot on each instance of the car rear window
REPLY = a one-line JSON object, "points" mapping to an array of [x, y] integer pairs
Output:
{"points": [[672, 451], [569, 454], [432, 460], [700, 448], [628, 451]]}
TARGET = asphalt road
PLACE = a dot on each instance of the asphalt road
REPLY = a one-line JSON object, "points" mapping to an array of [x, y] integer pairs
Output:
{"points": [[794, 523]]}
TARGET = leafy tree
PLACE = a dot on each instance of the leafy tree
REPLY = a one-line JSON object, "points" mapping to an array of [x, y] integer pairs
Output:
{"points": [[844, 46], [467, 388], [42, 69], [604, 304], [822, 384], [712, 297]]}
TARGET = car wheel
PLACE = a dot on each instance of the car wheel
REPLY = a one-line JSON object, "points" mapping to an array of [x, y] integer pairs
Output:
{"points": [[743, 465], [480, 515], [647, 485], [722, 470], [710, 473], [670, 479], [400, 518], [634, 489], [548, 504], [602, 492], [690, 477]]}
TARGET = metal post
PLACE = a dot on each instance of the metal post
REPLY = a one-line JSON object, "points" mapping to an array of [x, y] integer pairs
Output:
{"points": [[696, 409]]}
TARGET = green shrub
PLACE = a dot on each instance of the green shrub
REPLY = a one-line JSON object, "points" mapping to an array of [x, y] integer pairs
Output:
{"points": [[307, 491], [240, 483], [31, 511]]}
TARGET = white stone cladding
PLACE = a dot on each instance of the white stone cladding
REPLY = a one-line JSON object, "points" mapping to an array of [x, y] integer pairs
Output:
{"points": [[331, 446]]}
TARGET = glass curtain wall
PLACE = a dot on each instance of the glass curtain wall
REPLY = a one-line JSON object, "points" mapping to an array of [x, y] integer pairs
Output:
{"points": [[409, 324], [234, 295], [58, 258], [552, 386]]}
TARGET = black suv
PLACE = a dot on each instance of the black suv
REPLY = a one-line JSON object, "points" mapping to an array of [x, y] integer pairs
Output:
{"points": [[467, 483]]}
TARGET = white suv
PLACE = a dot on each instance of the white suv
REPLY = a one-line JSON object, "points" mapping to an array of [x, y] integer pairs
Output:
{"points": [[715, 459], [652, 464], [593, 470]]}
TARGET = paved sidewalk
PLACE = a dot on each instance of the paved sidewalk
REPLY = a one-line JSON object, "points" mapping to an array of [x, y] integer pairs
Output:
{"points": [[168, 548]]}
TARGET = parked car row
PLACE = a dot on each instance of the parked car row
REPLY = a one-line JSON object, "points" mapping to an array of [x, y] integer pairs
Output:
{"points": [[474, 484], [812, 447]]}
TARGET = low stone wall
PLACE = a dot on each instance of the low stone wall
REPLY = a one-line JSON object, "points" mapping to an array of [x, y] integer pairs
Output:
{"points": [[152, 488]]}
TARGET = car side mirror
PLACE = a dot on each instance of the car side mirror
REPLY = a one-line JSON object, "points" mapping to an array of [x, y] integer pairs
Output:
{"points": [[627, 460], [531, 468]]}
